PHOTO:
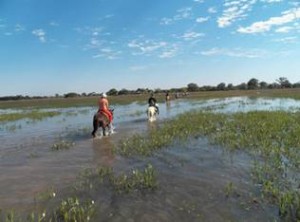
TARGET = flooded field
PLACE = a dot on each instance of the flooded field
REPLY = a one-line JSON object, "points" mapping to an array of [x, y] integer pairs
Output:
{"points": [[44, 161]]}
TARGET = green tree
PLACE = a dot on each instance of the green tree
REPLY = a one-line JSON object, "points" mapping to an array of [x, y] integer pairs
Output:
{"points": [[124, 92], [192, 87], [252, 83], [71, 95], [112, 92], [263, 85], [284, 82], [296, 85], [230, 86], [242, 86], [221, 86]]}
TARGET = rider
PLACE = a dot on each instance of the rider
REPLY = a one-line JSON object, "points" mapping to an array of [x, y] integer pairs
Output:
{"points": [[152, 102], [104, 107], [167, 97]]}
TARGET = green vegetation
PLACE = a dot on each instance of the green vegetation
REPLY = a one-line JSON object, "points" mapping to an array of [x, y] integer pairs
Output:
{"points": [[72, 209], [142, 98], [122, 183], [32, 115], [271, 137], [138, 180]]}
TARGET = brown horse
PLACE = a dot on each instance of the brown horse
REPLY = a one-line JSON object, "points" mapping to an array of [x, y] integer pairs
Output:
{"points": [[101, 119]]}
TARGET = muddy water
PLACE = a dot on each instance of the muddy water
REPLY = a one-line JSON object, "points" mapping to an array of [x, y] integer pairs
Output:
{"points": [[192, 178]]}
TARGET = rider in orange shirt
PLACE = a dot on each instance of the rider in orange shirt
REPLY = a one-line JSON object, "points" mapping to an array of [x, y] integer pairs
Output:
{"points": [[104, 106]]}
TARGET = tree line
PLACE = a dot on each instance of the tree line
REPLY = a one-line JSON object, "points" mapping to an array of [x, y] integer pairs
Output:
{"points": [[252, 84]]}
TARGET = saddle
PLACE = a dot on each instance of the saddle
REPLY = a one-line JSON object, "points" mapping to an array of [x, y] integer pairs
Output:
{"points": [[103, 113]]}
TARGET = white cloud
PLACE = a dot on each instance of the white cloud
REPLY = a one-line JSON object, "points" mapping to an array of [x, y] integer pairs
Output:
{"points": [[212, 10], [295, 3], [236, 52], [271, 1], [234, 10], [108, 53], [53, 23], [159, 49], [109, 16], [199, 1], [284, 29], [94, 43], [166, 21], [287, 40], [264, 26], [202, 19], [191, 35], [184, 13], [146, 46], [169, 52], [90, 31], [40, 33]]}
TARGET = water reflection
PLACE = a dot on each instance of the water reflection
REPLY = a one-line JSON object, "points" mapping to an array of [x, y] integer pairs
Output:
{"points": [[103, 152], [168, 107]]}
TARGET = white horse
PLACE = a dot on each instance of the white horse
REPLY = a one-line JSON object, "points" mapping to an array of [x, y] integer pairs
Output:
{"points": [[151, 113]]}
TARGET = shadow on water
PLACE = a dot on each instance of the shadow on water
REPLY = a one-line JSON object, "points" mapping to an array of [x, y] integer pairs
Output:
{"points": [[197, 182]]}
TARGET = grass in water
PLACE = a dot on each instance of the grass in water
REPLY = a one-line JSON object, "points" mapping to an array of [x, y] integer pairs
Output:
{"points": [[32, 115], [62, 145], [271, 137], [73, 208]]}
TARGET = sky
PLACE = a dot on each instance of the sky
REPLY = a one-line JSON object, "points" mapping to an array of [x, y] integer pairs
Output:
{"points": [[61, 46]]}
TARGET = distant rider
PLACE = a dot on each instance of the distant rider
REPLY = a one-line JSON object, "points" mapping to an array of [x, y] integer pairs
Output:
{"points": [[152, 102], [167, 97], [104, 107]]}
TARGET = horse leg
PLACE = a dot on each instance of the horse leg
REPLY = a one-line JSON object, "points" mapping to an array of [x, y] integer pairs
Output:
{"points": [[103, 130], [95, 125]]}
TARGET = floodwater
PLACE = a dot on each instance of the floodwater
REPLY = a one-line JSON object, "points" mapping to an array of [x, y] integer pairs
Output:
{"points": [[192, 177]]}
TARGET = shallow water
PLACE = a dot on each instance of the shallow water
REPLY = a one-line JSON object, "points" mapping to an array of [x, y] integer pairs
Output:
{"points": [[192, 178]]}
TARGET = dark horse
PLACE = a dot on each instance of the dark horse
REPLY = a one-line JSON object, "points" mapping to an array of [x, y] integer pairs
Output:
{"points": [[100, 119]]}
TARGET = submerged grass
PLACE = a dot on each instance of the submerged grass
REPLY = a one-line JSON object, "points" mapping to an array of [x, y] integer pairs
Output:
{"points": [[271, 137], [74, 208], [62, 145], [138, 179]]}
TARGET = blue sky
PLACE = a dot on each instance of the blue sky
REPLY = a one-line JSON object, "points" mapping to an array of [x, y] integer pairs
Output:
{"points": [[60, 46]]}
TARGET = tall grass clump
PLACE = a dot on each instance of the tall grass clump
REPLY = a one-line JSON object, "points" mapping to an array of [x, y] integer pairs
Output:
{"points": [[72, 209], [126, 182]]}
